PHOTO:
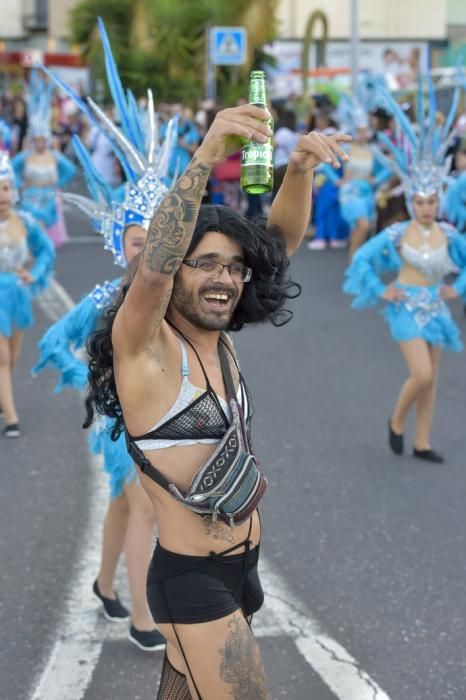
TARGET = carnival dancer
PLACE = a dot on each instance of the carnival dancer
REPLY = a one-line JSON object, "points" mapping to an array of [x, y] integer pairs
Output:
{"points": [[362, 174], [421, 252], [40, 169], [129, 520], [26, 262], [163, 362]]}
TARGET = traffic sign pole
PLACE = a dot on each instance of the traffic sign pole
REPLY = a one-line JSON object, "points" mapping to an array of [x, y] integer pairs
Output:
{"points": [[211, 83]]}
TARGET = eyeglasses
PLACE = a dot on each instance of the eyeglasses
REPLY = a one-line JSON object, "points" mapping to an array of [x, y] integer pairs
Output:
{"points": [[237, 272]]}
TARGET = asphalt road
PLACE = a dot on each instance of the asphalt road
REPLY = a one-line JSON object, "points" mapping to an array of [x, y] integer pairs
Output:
{"points": [[372, 545]]}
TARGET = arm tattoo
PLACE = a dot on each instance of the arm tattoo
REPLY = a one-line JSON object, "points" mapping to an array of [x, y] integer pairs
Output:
{"points": [[171, 229], [241, 664]]}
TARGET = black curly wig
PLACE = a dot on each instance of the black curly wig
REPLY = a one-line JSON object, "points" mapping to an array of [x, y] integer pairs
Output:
{"points": [[263, 299]]}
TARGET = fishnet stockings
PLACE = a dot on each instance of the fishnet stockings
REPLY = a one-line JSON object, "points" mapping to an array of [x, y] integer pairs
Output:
{"points": [[173, 685]]}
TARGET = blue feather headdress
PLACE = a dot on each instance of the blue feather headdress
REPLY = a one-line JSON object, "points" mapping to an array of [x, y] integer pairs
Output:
{"points": [[6, 169], [419, 158], [7, 173], [353, 110], [144, 161], [39, 105]]}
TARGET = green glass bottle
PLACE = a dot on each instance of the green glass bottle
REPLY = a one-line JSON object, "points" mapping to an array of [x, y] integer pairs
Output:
{"points": [[257, 158]]}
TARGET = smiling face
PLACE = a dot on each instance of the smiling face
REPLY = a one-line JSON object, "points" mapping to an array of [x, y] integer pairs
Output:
{"points": [[6, 197], [134, 241], [208, 299], [425, 209]]}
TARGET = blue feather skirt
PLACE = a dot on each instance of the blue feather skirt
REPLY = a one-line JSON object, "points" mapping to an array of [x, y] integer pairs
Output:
{"points": [[15, 304], [423, 314], [357, 202]]}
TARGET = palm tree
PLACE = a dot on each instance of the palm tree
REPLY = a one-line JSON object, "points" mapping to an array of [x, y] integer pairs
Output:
{"points": [[161, 43]]}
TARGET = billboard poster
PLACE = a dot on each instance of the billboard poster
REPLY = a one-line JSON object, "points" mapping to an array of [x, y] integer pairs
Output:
{"points": [[396, 61]]}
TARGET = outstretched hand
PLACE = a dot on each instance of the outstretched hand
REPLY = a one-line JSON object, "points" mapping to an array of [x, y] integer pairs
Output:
{"points": [[315, 148], [25, 276], [393, 293], [447, 292], [229, 131]]}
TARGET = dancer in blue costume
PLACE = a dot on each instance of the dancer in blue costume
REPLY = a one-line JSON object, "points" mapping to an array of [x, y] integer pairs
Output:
{"points": [[40, 169], [26, 262], [129, 520], [363, 173], [420, 252]]}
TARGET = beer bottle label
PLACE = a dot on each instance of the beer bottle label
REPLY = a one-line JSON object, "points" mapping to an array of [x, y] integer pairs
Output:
{"points": [[257, 154], [257, 93]]}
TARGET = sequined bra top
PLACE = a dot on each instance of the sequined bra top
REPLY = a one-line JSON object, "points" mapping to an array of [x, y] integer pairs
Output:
{"points": [[13, 254], [360, 165], [36, 175], [434, 263], [198, 416]]}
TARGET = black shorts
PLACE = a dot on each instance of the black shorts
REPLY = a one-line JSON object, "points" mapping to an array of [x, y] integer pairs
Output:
{"points": [[187, 589]]}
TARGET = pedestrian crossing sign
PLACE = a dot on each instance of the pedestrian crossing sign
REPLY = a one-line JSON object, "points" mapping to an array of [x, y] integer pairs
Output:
{"points": [[228, 46]]}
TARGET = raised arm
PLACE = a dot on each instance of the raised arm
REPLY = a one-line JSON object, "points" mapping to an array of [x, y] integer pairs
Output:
{"points": [[291, 208], [140, 316]]}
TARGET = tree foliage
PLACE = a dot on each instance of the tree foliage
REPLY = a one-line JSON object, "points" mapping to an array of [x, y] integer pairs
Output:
{"points": [[161, 43]]}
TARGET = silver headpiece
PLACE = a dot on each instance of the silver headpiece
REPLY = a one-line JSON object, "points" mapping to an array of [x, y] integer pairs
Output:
{"points": [[419, 156]]}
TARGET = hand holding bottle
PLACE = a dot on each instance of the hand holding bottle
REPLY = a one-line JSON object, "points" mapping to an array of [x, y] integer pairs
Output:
{"points": [[229, 130]]}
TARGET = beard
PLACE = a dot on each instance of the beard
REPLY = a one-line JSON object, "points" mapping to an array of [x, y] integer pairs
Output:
{"points": [[192, 306]]}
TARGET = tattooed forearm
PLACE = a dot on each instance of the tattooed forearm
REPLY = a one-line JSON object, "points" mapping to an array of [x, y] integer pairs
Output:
{"points": [[171, 229], [241, 664]]}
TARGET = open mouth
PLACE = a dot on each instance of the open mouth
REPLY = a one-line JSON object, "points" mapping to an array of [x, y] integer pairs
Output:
{"points": [[217, 300]]}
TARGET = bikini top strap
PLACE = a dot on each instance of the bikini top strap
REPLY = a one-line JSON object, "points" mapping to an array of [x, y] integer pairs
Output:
{"points": [[184, 359], [194, 350]]}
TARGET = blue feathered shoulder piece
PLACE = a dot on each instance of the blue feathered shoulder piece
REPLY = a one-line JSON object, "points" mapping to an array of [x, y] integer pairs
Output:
{"points": [[454, 201], [58, 346], [375, 258]]}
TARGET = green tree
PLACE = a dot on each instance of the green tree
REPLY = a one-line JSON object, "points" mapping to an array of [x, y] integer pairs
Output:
{"points": [[161, 43]]}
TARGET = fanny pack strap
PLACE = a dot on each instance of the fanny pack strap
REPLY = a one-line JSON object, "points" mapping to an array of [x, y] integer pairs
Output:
{"points": [[226, 371], [144, 464]]}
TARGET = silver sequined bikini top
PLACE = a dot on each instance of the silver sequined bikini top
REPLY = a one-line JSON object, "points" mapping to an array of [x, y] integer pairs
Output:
{"points": [[434, 263], [37, 174], [13, 254]]}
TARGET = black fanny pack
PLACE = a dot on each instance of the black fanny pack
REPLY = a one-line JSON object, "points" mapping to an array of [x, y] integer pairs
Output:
{"points": [[229, 485]]}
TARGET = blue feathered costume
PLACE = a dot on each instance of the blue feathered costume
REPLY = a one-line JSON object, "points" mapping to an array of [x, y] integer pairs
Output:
{"points": [[15, 296], [423, 314], [422, 168]]}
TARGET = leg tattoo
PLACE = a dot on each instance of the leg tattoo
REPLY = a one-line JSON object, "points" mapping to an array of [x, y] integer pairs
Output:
{"points": [[241, 664]]}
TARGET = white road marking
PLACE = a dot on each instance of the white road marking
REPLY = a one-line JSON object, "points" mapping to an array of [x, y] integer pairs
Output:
{"points": [[337, 668], [81, 631], [54, 301]]}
